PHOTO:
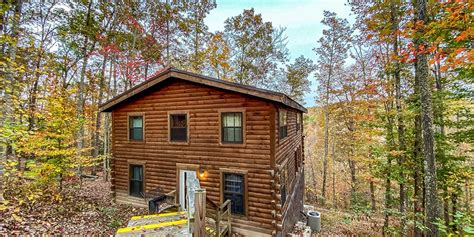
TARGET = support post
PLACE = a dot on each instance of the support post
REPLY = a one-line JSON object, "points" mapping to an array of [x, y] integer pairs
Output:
{"points": [[199, 227]]}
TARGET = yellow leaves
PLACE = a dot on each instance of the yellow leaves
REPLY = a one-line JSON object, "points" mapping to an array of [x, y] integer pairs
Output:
{"points": [[16, 217]]}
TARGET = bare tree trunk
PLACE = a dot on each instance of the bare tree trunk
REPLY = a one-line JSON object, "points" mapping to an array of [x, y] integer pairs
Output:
{"points": [[400, 122], [372, 196], [441, 156], [388, 199], [326, 149], [168, 17], [388, 168], [98, 120], [421, 73], [334, 200], [454, 200], [418, 173], [80, 96]]}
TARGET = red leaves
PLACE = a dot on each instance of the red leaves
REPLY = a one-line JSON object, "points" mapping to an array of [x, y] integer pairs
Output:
{"points": [[462, 36]]}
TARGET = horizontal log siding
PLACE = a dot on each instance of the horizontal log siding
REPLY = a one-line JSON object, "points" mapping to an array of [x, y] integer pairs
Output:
{"points": [[285, 155], [202, 103]]}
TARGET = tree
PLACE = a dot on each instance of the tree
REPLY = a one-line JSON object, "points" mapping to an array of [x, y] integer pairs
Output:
{"points": [[197, 12], [422, 76], [218, 57], [9, 84], [331, 53], [297, 75], [255, 52]]}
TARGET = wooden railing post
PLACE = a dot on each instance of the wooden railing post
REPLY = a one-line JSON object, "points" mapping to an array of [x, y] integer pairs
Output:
{"points": [[229, 215], [199, 227], [218, 221]]}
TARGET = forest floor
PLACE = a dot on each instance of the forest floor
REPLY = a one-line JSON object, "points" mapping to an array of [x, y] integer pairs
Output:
{"points": [[86, 210], [89, 210], [345, 223]]}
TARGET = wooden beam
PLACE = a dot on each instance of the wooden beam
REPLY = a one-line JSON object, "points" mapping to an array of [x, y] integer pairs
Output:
{"points": [[199, 226]]}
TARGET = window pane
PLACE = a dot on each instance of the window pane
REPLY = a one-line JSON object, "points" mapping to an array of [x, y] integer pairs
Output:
{"points": [[178, 134], [230, 134], [137, 122], [136, 128], [178, 127], [232, 127], [136, 133], [238, 120], [136, 180], [282, 118], [137, 173], [178, 121], [234, 190], [238, 134], [232, 119]]}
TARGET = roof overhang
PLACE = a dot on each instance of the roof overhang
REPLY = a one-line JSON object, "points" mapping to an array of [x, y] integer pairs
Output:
{"points": [[203, 80]]}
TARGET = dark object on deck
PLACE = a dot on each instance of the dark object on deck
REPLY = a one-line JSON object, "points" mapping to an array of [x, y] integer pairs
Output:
{"points": [[154, 204], [155, 198]]}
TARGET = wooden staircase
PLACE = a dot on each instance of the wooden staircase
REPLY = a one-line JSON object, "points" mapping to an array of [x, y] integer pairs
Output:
{"points": [[218, 218]]}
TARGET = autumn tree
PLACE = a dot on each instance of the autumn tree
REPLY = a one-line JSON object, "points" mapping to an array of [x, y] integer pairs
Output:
{"points": [[297, 77], [255, 52], [218, 57], [331, 53]]}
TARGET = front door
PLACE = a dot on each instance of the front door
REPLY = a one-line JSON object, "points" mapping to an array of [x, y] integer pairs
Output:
{"points": [[184, 176]]}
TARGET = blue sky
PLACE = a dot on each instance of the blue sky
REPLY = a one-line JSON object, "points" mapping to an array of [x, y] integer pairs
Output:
{"points": [[302, 19]]}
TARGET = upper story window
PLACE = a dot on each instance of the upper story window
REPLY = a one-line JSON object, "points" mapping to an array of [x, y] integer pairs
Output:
{"points": [[234, 189], [178, 128], [232, 129], [136, 180], [298, 121], [282, 123], [136, 128]]}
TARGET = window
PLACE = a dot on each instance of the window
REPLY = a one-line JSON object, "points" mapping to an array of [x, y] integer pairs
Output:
{"points": [[136, 128], [298, 121], [283, 177], [136, 180], [297, 162], [232, 127], [234, 190], [282, 123], [178, 128]]}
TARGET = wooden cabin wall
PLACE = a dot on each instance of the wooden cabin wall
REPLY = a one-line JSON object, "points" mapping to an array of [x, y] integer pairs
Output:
{"points": [[160, 158], [289, 156]]}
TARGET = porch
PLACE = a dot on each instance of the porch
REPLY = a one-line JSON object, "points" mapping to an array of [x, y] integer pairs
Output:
{"points": [[167, 218]]}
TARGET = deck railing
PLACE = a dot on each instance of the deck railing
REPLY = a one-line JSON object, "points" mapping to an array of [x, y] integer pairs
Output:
{"points": [[222, 216]]}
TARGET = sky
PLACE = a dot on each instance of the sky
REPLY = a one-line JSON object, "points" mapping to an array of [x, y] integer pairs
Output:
{"points": [[301, 18]]}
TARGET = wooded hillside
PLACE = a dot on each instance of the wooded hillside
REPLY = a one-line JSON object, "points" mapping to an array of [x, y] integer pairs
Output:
{"points": [[393, 132]]}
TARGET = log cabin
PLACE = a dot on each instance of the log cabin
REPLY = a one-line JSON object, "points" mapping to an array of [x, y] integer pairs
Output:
{"points": [[245, 144]]}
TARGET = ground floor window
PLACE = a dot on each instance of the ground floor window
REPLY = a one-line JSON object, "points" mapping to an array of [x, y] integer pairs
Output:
{"points": [[283, 180], [136, 180], [234, 189]]}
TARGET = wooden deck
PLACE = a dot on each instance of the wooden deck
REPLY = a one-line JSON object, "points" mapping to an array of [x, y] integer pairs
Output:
{"points": [[166, 224], [173, 222]]}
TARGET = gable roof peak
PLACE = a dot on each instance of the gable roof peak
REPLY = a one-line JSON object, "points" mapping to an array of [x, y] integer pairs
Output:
{"points": [[172, 72]]}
